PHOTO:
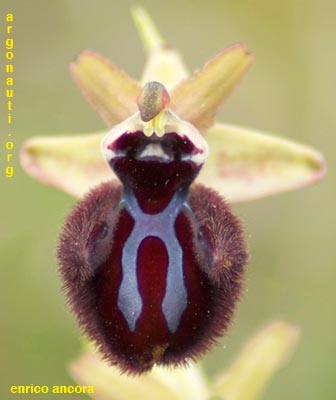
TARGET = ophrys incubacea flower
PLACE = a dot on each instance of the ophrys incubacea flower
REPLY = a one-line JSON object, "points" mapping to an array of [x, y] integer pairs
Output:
{"points": [[152, 263]]}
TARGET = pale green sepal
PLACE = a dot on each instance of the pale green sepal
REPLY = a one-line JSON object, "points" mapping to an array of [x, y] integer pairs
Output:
{"points": [[73, 164], [262, 356], [161, 384], [197, 98], [188, 382], [164, 64], [245, 164], [110, 91], [149, 34]]}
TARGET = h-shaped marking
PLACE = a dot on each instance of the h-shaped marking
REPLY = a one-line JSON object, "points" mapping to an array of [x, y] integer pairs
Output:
{"points": [[160, 225]]}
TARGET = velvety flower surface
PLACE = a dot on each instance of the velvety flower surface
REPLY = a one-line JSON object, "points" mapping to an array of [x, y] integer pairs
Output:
{"points": [[153, 263], [152, 266]]}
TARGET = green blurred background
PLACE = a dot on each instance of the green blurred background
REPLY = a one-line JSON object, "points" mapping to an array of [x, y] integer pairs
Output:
{"points": [[290, 90]]}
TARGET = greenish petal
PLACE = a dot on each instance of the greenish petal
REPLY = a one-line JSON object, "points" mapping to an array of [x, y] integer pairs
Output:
{"points": [[73, 164], [164, 64], [110, 91], [262, 356], [245, 164], [197, 98], [161, 384]]}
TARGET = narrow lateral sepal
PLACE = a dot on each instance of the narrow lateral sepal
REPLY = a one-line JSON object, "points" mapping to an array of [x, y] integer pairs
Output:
{"points": [[246, 164]]}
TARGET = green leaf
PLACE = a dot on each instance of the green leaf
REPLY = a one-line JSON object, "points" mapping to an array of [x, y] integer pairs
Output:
{"points": [[262, 356], [244, 164], [161, 384], [164, 64], [197, 98], [73, 164], [110, 91]]}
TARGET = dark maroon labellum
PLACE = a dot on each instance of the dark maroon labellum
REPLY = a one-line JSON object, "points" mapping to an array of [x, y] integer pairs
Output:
{"points": [[153, 267]]}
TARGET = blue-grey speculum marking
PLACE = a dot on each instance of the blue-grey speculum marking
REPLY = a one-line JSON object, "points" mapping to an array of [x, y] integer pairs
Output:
{"points": [[159, 225]]}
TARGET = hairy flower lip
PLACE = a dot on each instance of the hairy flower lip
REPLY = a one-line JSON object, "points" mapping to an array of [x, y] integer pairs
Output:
{"points": [[212, 293]]}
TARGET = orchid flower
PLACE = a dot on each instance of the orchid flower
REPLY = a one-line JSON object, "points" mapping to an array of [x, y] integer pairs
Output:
{"points": [[161, 132]]}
